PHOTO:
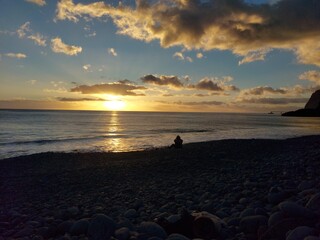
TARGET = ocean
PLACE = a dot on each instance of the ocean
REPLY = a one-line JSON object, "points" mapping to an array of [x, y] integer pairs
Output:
{"points": [[24, 132]]}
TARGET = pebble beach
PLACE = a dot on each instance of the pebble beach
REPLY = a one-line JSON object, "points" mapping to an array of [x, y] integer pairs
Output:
{"points": [[226, 189]]}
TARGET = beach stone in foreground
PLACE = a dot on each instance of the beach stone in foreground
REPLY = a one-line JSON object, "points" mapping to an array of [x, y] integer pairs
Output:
{"points": [[101, 227], [300, 233], [152, 230]]}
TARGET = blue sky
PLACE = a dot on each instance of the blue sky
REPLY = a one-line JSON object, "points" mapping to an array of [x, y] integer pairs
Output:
{"points": [[175, 56]]}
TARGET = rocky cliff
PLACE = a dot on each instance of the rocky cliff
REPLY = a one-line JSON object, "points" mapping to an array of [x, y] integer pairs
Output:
{"points": [[312, 108]]}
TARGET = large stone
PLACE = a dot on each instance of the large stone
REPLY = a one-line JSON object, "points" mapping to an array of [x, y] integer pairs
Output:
{"points": [[152, 230], [314, 203], [122, 233], [292, 209], [300, 233], [251, 224], [101, 227], [177, 236], [79, 227]]}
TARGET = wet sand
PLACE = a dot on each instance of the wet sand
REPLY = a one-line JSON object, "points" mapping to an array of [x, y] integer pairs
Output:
{"points": [[243, 183]]}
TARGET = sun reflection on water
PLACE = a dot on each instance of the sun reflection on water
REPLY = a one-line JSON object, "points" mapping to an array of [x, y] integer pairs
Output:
{"points": [[114, 142]]}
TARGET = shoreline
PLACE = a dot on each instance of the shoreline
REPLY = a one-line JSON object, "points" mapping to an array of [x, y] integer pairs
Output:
{"points": [[79, 151], [246, 183]]}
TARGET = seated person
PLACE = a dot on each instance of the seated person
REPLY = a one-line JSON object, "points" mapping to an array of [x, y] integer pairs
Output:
{"points": [[177, 142]]}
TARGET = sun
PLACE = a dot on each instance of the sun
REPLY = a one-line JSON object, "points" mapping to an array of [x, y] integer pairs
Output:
{"points": [[114, 104]]}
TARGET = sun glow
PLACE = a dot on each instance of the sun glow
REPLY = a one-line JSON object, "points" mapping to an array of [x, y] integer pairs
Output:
{"points": [[114, 104]]}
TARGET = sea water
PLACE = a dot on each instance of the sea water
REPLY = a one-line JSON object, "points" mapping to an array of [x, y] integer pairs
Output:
{"points": [[24, 132]]}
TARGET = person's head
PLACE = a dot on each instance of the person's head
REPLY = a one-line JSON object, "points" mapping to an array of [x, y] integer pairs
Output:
{"points": [[178, 137]]}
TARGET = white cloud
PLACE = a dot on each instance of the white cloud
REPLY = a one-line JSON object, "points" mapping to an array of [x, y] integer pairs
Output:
{"points": [[87, 67], [16, 55], [38, 2], [38, 39], [254, 56], [200, 55], [23, 30], [58, 46], [112, 52], [180, 56], [32, 82]]}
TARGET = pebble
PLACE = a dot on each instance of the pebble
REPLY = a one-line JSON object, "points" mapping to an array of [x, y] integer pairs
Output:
{"points": [[292, 209], [176, 236], [131, 213], [251, 224]]}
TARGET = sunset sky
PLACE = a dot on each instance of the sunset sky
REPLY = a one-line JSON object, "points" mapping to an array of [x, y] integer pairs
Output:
{"points": [[179, 55]]}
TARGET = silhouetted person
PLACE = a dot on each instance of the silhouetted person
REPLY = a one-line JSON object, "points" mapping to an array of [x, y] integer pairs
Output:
{"points": [[177, 142]]}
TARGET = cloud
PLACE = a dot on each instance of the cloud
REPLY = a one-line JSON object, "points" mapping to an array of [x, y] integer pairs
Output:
{"points": [[162, 80], [180, 56], [116, 88], [261, 90], [15, 55], [254, 56], [273, 101], [112, 52], [313, 76], [235, 25], [25, 30], [87, 67], [208, 103], [38, 2], [38, 39], [200, 55], [64, 99], [32, 82], [58, 46], [214, 84]]}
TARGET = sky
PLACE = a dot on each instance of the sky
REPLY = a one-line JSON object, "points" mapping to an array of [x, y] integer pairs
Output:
{"points": [[178, 55]]}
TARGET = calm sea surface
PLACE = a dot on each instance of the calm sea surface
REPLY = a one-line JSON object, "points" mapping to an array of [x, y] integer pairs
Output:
{"points": [[27, 132]]}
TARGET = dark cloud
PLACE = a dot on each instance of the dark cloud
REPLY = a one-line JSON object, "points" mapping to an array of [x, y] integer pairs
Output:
{"points": [[64, 99], [248, 30], [274, 101], [262, 90], [213, 85], [162, 80], [117, 88]]}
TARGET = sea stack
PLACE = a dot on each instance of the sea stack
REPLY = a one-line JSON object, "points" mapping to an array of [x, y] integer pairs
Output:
{"points": [[312, 108]]}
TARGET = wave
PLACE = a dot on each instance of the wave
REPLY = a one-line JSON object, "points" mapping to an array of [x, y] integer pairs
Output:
{"points": [[49, 141]]}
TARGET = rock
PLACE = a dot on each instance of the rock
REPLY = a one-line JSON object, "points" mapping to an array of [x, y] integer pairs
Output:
{"points": [[300, 233], [251, 224], [27, 231], [64, 227], [131, 213], [122, 233], [275, 218], [206, 225], [311, 238], [247, 212], [314, 203], [304, 185], [152, 229], [101, 227], [277, 195], [280, 229], [174, 218], [312, 108], [291, 209], [73, 211], [314, 101], [79, 227], [177, 236], [138, 204], [243, 201]]}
